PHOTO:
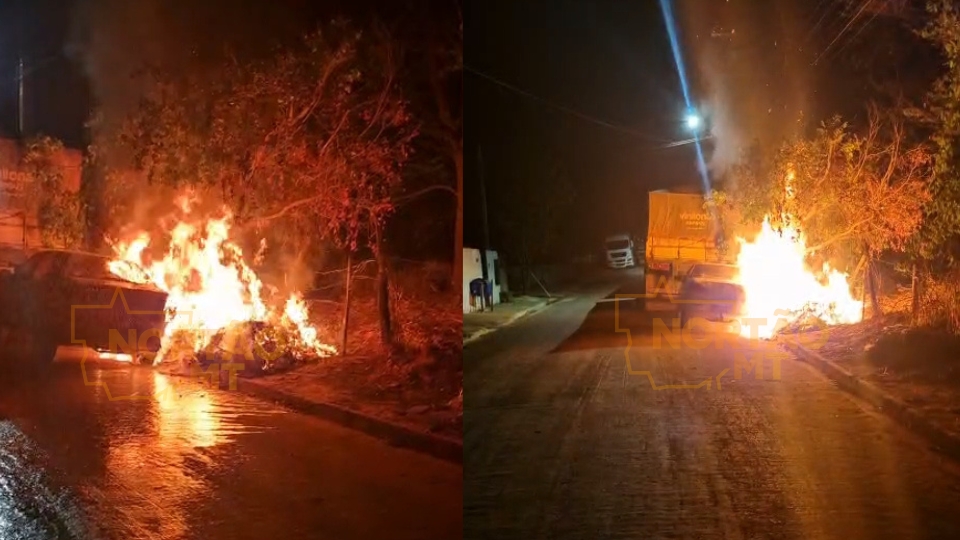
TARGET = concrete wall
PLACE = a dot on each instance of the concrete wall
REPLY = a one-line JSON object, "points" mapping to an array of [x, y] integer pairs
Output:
{"points": [[18, 228], [471, 271]]}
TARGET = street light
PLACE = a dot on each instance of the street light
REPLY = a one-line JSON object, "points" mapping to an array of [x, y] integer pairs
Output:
{"points": [[693, 121]]}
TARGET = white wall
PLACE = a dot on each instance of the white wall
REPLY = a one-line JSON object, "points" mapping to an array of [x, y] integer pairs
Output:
{"points": [[472, 269]]}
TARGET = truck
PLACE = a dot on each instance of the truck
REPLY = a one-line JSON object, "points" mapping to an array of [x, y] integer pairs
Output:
{"points": [[68, 298], [681, 233], [619, 249]]}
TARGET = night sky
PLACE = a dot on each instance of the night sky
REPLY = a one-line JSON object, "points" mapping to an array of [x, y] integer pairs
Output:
{"points": [[778, 74]]}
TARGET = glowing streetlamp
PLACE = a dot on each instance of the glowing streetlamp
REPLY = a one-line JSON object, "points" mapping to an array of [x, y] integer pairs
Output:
{"points": [[693, 121]]}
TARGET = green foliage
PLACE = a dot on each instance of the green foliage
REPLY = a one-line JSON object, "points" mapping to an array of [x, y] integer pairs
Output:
{"points": [[60, 211], [313, 139], [848, 194], [942, 222], [752, 194]]}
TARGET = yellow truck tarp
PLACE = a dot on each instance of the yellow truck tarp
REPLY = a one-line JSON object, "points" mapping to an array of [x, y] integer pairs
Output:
{"points": [[680, 228]]}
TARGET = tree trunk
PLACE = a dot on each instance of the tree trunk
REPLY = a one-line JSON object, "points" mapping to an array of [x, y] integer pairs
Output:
{"points": [[457, 277], [346, 305], [914, 296], [874, 293], [383, 291]]}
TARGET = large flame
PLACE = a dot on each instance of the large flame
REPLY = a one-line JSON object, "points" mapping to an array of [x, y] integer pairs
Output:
{"points": [[780, 287], [210, 288]]}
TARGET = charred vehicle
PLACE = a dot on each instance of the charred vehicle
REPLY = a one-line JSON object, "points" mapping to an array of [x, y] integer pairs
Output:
{"points": [[76, 299], [712, 292]]}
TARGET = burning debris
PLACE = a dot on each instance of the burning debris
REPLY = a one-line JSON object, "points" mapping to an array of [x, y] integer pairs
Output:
{"points": [[782, 290], [212, 292], [780, 287]]}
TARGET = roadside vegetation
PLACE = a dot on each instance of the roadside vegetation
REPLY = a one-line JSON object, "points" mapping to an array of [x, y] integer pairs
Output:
{"points": [[878, 197], [332, 150]]}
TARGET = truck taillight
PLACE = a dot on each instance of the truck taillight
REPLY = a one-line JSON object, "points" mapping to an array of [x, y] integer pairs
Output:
{"points": [[659, 266]]}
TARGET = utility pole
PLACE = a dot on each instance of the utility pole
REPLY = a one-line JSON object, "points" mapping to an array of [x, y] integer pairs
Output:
{"points": [[21, 13], [483, 208], [20, 77]]}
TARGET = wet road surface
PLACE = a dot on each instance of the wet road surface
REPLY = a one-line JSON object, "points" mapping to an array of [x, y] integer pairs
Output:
{"points": [[188, 461], [566, 439]]}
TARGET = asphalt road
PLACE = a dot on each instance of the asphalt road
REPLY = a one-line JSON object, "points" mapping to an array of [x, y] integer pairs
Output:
{"points": [[569, 433], [188, 461]]}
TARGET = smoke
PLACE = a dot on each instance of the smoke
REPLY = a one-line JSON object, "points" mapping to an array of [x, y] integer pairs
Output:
{"points": [[114, 40], [726, 126], [748, 68]]}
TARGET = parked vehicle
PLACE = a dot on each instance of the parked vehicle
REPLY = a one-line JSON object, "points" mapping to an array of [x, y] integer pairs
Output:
{"points": [[620, 251], [712, 292], [51, 300], [681, 233]]}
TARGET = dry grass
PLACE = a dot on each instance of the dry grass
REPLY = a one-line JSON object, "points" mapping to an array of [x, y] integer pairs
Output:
{"points": [[890, 347], [940, 303], [427, 325]]}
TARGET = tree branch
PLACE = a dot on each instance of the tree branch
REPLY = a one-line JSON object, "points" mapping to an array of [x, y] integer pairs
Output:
{"points": [[840, 236], [416, 194], [283, 211]]}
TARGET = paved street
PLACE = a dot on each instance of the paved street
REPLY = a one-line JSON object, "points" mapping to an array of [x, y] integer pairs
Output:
{"points": [[565, 439], [191, 462]]}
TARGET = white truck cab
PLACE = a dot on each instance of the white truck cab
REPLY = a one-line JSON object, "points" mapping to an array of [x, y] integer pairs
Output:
{"points": [[620, 251]]}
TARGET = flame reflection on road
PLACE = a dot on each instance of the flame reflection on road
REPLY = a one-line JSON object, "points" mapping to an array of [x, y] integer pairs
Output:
{"points": [[168, 466]]}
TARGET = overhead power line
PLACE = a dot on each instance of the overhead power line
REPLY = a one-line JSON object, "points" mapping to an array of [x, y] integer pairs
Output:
{"points": [[562, 108], [863, 6], [860, 30], [823, 17]]}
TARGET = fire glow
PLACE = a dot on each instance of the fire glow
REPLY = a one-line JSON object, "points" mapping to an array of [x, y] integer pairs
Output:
{"points": [[780, 287], [210, 288]]}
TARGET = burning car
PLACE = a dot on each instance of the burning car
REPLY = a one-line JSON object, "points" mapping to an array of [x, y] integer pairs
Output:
{"points": [[712, 291], [68, 298], [212, 290]]}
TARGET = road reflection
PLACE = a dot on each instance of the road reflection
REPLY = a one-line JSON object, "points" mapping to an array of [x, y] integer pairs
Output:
{"points": [[191, 418], [140, 465]]}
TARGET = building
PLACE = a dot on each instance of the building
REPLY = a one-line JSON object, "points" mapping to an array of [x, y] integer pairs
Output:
{"points": [[473, 269], [19, 232]]}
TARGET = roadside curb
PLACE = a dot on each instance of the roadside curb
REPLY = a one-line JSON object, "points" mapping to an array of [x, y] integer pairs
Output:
{"points": [[900, 412], [434, 445], [514, 318]]}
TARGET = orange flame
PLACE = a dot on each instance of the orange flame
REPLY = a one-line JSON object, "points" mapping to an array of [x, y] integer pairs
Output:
{"points": [[210, 287], [779, 285]]}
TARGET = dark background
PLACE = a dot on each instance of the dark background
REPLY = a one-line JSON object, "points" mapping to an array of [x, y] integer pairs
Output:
{"points": [[83, 54], [787, 66]]}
